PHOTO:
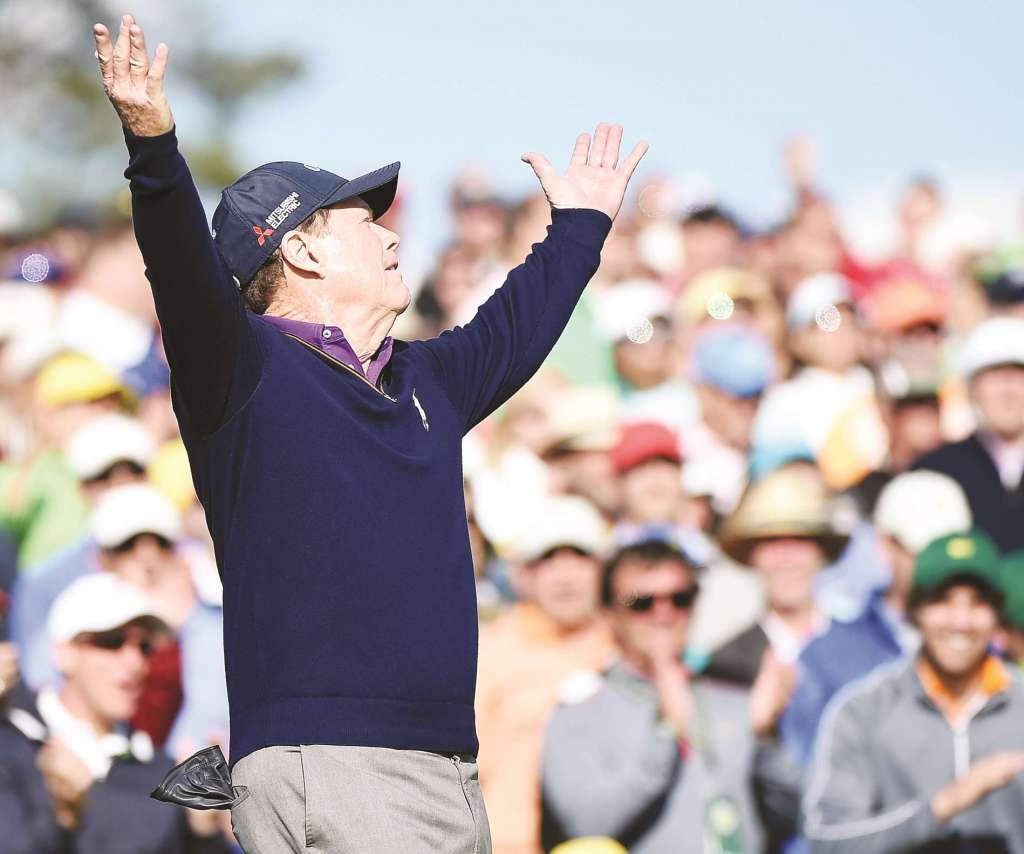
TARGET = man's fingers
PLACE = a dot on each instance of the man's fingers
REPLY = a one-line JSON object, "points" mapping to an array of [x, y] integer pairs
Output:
{"points": [[155, 78], [611, 151], [635, 156], [138, 59], [104, 53], [599, 145], [580, 150], [541, 166], [122, 48]]}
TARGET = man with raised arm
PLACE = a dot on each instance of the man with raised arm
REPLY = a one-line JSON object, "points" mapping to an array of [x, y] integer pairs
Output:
{"points": [[327, 456]]}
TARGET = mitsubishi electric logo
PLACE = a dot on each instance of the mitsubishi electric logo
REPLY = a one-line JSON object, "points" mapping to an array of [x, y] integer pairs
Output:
{"points": [[284, 210]]}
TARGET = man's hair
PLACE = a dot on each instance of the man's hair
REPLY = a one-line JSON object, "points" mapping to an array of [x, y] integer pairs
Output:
{"points": [[263, 287], [920, 596], [648, 553]]}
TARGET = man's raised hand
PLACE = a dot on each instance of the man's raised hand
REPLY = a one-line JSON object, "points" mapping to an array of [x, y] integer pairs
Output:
{"points": [[594, 178], [134, 86]]}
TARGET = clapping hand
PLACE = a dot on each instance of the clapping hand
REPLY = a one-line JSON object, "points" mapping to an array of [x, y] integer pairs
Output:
{"points": [[134, 86], [594, 178]]}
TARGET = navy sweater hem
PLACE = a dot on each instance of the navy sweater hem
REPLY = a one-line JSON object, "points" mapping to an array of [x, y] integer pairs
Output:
{"points": [[355, 721]]}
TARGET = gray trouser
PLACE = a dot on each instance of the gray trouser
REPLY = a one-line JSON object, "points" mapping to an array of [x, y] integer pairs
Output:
{"points": [[363, 800]]}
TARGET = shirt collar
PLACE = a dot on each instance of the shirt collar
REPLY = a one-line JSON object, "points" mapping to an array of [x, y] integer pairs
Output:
{"points": [[995, 679], [331, 340]]}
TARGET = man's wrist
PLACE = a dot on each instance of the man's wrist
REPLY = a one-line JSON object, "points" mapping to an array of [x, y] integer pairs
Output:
{"points": [[588, 226]]}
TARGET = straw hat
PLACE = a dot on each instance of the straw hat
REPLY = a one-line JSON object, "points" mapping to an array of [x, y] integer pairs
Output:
{"points": [[790, 502]]}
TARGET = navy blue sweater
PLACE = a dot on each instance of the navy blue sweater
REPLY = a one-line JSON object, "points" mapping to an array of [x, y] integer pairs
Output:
{"points": [[337, 509]]}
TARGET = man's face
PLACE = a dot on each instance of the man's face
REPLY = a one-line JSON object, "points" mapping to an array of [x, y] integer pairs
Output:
{"points": [[144, 561], [564, 584], [956, 629], [358, 259], [999, 394], [652, 492], [648, 364], [836, 351], [663, 627], [106, 670], [788, 567]]}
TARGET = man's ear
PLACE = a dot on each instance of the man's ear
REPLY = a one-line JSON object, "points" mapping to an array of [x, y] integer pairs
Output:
{"points": [[300, 251]]}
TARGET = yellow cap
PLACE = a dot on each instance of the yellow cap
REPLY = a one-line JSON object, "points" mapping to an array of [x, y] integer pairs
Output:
{"points": [[76, 378], [169, 472], [589, 845]]}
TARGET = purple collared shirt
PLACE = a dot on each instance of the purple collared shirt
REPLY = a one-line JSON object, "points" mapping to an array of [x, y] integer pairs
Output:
{"points": [[331, 340]]}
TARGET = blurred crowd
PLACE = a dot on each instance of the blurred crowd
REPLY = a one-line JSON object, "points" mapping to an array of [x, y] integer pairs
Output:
{"points": [[749, 547]]}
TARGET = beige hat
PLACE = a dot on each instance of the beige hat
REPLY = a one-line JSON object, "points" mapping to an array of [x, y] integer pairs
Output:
{"points": [[917, 507], [562, 520], [585, 418], [790, 502], [98, 602]]}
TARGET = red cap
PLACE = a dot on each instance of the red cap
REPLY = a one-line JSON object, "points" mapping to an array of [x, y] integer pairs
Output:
{"points": [[645, 441]]}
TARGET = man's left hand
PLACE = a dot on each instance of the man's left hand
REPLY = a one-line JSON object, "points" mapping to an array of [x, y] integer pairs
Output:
{"points": [[594, 178]]}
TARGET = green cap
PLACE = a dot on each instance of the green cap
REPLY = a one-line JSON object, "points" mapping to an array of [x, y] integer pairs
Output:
{"points": [[1013, 584], [971, 553]]}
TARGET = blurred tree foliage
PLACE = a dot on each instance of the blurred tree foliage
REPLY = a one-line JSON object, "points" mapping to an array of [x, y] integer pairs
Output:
{"points": [[57, 123]]}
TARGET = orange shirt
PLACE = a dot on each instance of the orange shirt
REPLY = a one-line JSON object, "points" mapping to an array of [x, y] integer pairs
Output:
{"points": [[524, 659], [994, 678]]}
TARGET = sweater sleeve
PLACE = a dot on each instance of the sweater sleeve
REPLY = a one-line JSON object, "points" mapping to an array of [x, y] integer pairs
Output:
{"points": [[483, 363], [202, 316]]}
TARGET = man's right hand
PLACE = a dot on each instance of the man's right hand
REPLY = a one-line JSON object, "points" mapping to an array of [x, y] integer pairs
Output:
{"points": [[134, 87], [984, 776]]}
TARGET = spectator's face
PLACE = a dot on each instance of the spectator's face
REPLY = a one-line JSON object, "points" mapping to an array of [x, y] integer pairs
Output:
{"points": [[956, 630], [730, 417], [652, 492], [144, 561], [358, 260], [999, 395], [107, 680], [709, 245], [788, 567], [586, 473], [57, 424], [663, 625], [565, 585], [454, 282], [480, 228], [914, 428]]}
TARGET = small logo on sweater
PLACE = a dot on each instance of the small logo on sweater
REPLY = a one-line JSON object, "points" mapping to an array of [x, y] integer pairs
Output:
{"points": [[423, 415]]}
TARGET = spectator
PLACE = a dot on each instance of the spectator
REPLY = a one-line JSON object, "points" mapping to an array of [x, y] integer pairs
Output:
{"points": [[648, 463], [72, 775], [783, 529], [989, 464], [527, 653], [107, 451], [787, 703], [927, 754], [647, 753]]}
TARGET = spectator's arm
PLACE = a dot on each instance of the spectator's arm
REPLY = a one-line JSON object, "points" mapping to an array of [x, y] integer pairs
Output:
{"points": [[839, 812], [778, 784], [485, 362], [587, 795]]}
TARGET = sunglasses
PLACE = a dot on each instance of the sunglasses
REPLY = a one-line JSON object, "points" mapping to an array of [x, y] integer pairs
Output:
{"points": [[129, 544], [117, 638], [680, 599], [121, 466]]}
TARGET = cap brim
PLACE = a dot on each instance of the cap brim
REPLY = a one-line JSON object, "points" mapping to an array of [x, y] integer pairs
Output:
{"points": [[376, 188]]}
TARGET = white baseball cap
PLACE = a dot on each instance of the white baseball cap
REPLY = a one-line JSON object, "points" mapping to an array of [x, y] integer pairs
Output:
{"points": [[623, 308], [997, 341], [563, 520], [98, 602], [106, 440], [917, 507], [813, 294], [135, 508]]}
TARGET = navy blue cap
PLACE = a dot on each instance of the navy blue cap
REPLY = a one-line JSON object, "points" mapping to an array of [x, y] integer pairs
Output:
{"points": [[265, 204]]}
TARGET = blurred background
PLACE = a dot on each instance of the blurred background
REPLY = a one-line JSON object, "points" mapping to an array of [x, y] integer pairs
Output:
{"points": [[815, 289]]}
